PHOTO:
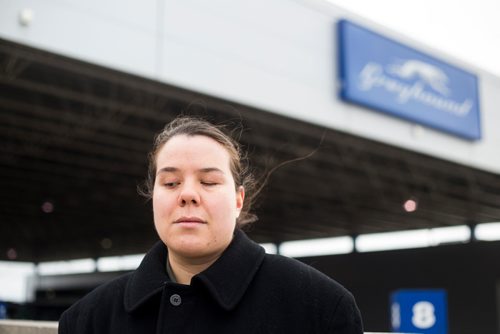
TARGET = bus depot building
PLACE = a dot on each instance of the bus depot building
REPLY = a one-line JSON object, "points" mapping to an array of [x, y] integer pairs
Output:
{"points": [[399, 202]]}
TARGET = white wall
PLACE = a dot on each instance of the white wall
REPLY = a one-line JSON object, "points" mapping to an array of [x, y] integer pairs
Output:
{"points": [[14, 280], [278, 55], [121, 34]]}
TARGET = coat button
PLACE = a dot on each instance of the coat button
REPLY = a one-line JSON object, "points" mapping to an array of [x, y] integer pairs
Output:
{"points": [[175, 300]]}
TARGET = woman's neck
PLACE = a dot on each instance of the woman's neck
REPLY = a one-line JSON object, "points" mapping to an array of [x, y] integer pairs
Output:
{"points": [[185, 268]]}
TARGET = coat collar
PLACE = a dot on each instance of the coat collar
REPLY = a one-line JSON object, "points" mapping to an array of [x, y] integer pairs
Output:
{"points": [[226, 280]]}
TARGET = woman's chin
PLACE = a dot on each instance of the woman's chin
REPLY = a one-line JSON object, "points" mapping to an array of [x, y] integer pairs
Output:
{"points": [[190, 247]]}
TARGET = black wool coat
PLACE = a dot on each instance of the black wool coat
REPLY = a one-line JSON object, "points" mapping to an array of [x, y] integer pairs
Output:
{"points": [[244, 291]]}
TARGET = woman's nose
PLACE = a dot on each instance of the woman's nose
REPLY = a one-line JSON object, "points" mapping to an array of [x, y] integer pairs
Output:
{"points": [[189, 195]]}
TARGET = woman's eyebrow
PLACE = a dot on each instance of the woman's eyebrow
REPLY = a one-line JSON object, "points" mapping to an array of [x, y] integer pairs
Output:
{"points": [[201, 170], [210, 169], [167, 170]]}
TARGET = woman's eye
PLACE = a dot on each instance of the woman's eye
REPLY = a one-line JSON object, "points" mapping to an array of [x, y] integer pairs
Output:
{"points": [[170, 184], [206, 183]]}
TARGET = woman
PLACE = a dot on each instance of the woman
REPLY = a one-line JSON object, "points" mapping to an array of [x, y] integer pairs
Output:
{"points": [[205, 275]]}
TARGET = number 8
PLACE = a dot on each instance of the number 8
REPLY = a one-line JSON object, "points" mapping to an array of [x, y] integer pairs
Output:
{"points": [[423, 315]]}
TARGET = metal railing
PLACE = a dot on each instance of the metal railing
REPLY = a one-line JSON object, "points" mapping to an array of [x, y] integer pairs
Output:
{"points": [[50, 327], [27, 327]]}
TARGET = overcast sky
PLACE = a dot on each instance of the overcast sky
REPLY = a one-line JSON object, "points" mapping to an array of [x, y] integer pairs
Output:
{"points": [[466, 29]]}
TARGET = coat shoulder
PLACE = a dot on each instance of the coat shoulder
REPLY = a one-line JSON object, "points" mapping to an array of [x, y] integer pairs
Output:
{"points": [[105, 294], [297, 274], [327, 300], [99, 301]]}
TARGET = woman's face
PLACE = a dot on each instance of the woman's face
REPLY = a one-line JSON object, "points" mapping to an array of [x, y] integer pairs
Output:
{"points": [[195, 201]]}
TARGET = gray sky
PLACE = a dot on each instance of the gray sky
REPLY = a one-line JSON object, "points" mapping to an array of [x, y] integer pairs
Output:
{"points": [[467, 30]]}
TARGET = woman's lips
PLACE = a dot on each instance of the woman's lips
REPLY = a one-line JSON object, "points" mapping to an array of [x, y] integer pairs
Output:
{"points": [[189, 221]]}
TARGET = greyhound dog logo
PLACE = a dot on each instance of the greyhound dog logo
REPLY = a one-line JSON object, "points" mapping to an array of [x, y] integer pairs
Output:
{"points": [[429, 74]]}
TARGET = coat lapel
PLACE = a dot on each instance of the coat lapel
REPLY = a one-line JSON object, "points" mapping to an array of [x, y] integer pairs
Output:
{"points": [[148, 279], [229, 277], [226, 280]]}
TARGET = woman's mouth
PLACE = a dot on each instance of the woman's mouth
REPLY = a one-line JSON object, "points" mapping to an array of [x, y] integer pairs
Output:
{"points": [[190, 221]]}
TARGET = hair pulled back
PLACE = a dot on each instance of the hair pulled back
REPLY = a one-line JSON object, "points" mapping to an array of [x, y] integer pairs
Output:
{"points": [[238, 162]]}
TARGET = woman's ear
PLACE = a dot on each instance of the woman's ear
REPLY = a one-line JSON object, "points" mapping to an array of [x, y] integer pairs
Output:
{"points": [[240, 199]]}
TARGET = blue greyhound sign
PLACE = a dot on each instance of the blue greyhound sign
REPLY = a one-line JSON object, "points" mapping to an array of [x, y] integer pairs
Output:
{"points": [[382, 74]]}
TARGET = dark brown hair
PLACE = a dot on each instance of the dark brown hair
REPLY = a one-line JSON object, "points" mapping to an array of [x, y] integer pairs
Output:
{"points": [[192, 126]]}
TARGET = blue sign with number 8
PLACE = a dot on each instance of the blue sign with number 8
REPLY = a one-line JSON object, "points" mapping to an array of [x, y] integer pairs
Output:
{"points": [[419, 311]]}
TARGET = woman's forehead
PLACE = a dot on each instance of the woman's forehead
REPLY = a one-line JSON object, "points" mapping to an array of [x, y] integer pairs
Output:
{"points": [[200, 152]]}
